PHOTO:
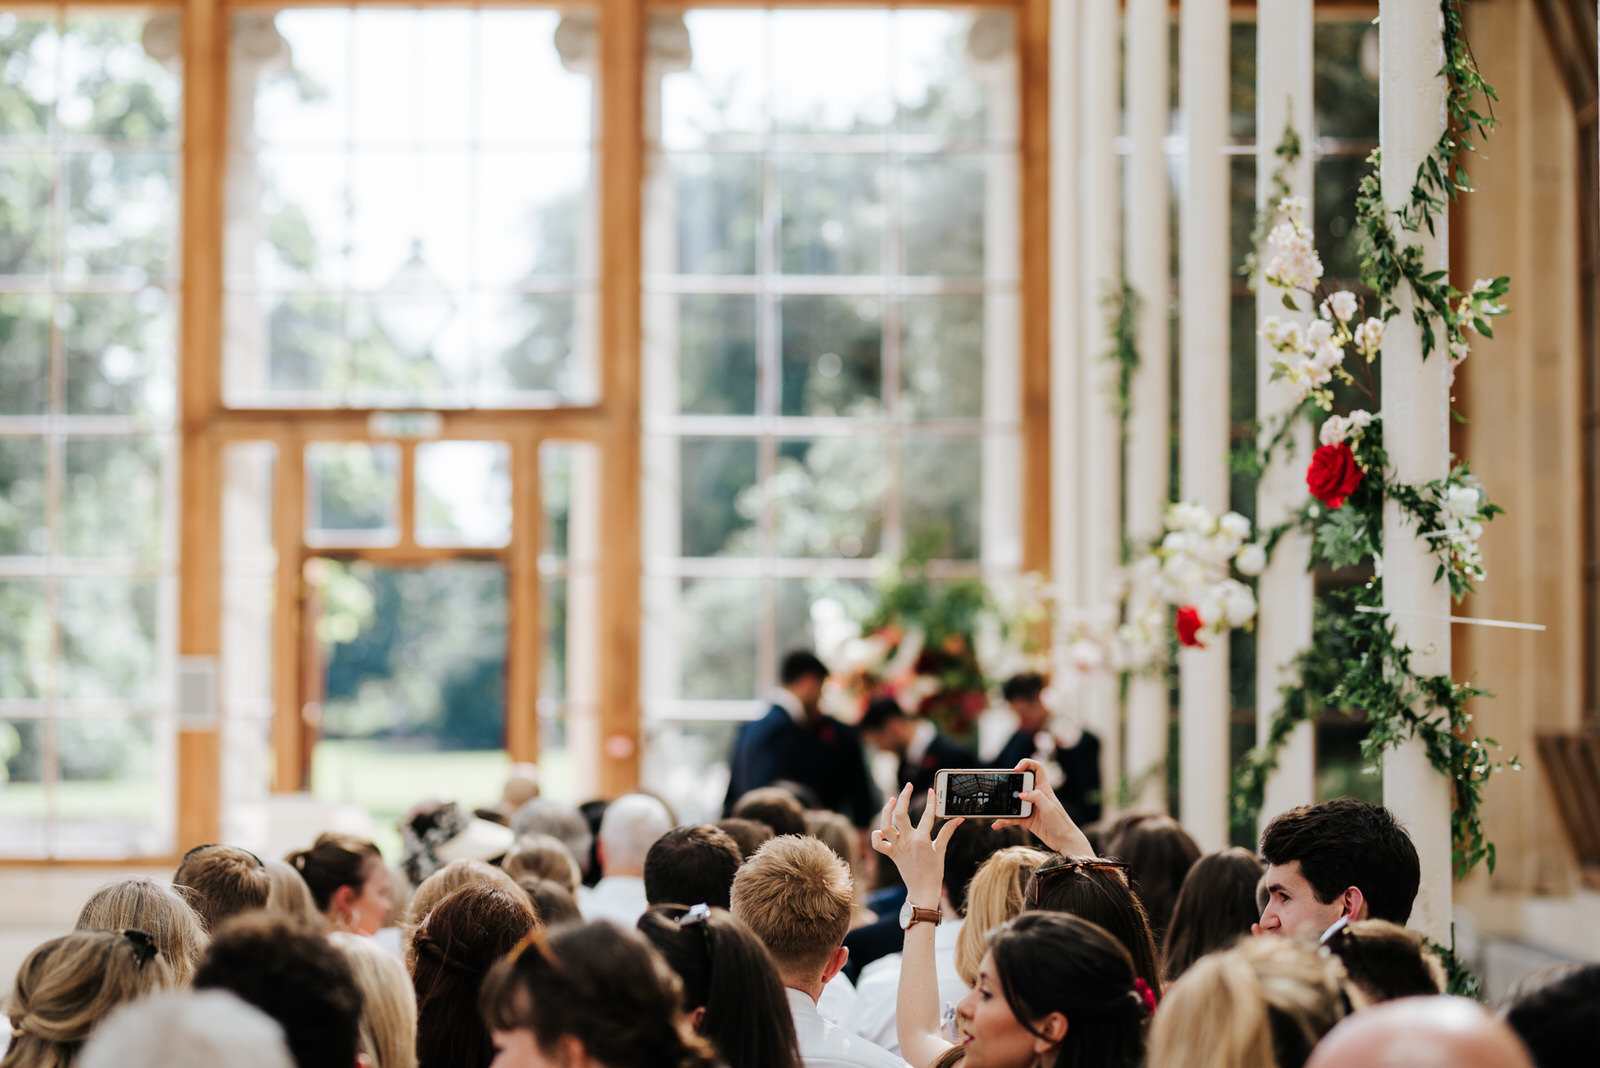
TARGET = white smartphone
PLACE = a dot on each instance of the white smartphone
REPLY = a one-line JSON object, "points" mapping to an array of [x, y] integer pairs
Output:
{"points": [[982, 793]]}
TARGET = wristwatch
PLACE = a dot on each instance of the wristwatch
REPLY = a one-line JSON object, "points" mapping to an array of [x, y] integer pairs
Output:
{"points": [[910, 914]]}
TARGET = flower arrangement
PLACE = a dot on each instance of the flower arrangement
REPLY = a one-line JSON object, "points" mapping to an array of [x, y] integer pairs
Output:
{"points": [[1189, 574]]}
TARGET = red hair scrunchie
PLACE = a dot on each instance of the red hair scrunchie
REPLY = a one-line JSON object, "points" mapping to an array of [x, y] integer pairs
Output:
{"points": [[1146, 995]]}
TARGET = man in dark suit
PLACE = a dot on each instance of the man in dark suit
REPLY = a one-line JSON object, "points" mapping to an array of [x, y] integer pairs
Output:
{"points": [[1077, 763], [914, 742], [795, 742]]}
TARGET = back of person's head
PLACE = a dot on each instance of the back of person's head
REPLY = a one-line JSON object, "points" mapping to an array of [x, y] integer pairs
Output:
{"points": [[1263, 1004], [1023, 687], [774, 806], [629, 828], [553, 902], [447, 880], [333, 861], [66, 986], [880, 712], [801, 664], [836, 832], [727, 971], [1385, 961], [1159, 853], [994, 896], [222, 881], [1424, 1032], [750, 835], [543, 856], [1345, 843], [973, 843], [187, 1030], [291, 972], [145, 904], [1556, 1013], [388, 1003], [457, 943], [559, 820], [1099, 891], [290, 896], [796, 895], [1215, 907], [1048, 963], [691, 865]]}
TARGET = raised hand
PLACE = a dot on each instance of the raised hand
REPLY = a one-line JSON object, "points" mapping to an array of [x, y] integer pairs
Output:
{"points": [[915, 850]]}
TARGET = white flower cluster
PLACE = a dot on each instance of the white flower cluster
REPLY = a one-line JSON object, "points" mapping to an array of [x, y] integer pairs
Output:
{"points": [[1192, 566], [1461, 505], [1294, 263], [1477, 303], [1337, 428]]}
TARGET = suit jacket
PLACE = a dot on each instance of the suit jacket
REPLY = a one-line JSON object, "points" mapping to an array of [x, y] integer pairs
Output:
{"points": [[942, 753], [1079, 793], [827, 758]]}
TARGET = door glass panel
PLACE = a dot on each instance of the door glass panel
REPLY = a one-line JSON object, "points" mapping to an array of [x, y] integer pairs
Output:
{"points": [[352, 494], [464, 493]]}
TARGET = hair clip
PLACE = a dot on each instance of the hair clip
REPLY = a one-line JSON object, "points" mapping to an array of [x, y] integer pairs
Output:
{"points": [[700, 913], [1146, 995], [144, 947]]}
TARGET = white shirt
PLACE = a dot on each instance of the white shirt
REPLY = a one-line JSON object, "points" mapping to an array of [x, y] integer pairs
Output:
{"points": [[790, 704], [618, 898], [873, 1016], [826, 1045], [837, 999]]}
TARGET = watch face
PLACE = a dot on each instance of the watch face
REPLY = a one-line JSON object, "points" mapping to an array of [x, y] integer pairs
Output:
{"points": [[905, 914]]}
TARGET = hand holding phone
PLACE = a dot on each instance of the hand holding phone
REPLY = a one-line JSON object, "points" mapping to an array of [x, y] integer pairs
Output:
{"points": [[983, 793]]}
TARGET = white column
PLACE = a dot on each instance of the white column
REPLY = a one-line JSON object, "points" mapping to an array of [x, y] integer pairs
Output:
{"points": [[1067, 304], [1204, 275], [1100, 437], [1416, 433], [992, 58], [1149, 445], [1287, 592]]}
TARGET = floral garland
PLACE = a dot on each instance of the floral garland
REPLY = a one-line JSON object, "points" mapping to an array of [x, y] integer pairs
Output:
{"points": [[1355, 661]]}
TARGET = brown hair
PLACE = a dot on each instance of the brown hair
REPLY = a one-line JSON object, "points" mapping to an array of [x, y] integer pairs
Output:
{"points": [[224, 881], [604, 987], [334, 860], [690, 866], [543, 856], [459, 940], [1344, 843], [1098, 891], [996, 895], [1159, 854], [145, 904], [553, 902], [68, 985], [796, 895], [1215, 907], [388, 1003], [446, 881], [1385, 961], [774, 806], [748, 835]]}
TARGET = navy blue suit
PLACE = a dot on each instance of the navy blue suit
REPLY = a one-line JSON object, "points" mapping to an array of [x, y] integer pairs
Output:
{"points": [[826, 757], [1079, 793], [942, 753]]}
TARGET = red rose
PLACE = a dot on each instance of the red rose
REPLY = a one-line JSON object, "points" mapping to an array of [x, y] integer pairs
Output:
{"points": [[1189, 625], [1333, 474]]}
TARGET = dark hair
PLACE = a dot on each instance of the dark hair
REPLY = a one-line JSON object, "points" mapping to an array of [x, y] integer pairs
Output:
{"points": [[774, 806], [1052, 962], [748, 835], [801, 664], [1385, 961], [691, 865], [880, 710], [727, 970], [457, 943], [603, 986], [1346, 843], [1024, 687], [292, 973], [222, 881], [1215, 906], [1556, 1012], [334, 860], [1098, 891], [1159, 853], [971, 844], [552, 902]]}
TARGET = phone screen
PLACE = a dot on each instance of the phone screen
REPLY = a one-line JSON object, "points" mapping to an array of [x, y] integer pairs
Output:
{"points": [[982, 793]]}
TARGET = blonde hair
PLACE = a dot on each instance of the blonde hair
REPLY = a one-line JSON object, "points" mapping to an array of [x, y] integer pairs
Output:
{"points": [[446, 881], [289, 895], [995, 896], [149, 905], [542, 856], [797, 896], [68, 985], [1263, 1004], [388, 1002]]}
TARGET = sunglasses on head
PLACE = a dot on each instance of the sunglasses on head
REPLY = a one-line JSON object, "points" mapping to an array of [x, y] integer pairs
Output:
{"points": [[1074, 864]]}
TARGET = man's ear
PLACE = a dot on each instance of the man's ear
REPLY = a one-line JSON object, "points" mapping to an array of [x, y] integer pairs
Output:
{"points": [[1354, 903], [1049, 1032], [836, 961]]}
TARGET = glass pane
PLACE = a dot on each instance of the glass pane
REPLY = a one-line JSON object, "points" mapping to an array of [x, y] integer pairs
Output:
{"points": [[850, 599], [112, 87], [121, 355], [946, 204], [553, 671], [538, 343], [287, 346], [718, 620], [1346, 91], [352, 493], [112, 796], [685, 764], [942, 482], [299, 219], [943, 57], [397, 351], [832, 355], [24, 350], [716, 204], [122, 210], [29, 54], [556, 464], [830, 497], [464, 493], [1242, 204], [25, 652], [310, 103], [518, 62], [716, 354], [425, 216], [22, 498], [112, 503], [717, 477], [1242, 83], [724, 92], [941, 357], [1338, 232], [534, 216], [833, 214], [854, 97], [108, 639], [25, 184]]}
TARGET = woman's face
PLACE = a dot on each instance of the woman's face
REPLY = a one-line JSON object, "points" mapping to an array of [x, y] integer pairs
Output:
{"points": [[370, 907], [988, 1029], [517, 1049]]}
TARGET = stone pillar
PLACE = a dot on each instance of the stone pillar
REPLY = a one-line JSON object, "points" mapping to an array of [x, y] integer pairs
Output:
{"points": [[1068, 356]]}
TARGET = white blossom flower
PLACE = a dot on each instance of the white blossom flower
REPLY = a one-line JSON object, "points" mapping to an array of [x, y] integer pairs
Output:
{"points": [[1319, 333], [1235, 525], [1369, 337], [1461, 502], [1360, 419], [1238, 603], [1342, 304], [1086, 655], [1251, 561]]}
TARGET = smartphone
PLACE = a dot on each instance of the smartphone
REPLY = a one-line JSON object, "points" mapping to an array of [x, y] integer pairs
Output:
{"points": [[982, 793]]}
